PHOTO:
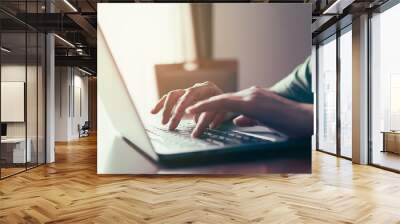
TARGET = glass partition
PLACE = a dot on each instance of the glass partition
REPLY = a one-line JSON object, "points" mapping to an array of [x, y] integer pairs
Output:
{"points": [[23, 91], [346, 93], [41, 97], [35, 88], [327, 95], [31, 100], [385, 89], [15, 149]]}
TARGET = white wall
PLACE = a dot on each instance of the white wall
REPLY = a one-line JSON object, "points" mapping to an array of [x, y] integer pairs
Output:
{"points": [[15, 72], [80, 84], [269, 40], [68, 83], [61, 103]]}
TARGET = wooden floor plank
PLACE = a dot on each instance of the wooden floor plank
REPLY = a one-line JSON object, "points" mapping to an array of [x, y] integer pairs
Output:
{"points": [[70, 191]]}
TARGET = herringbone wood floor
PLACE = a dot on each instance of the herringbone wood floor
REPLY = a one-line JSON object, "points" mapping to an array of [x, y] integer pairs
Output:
{"points": [[69, 191]]}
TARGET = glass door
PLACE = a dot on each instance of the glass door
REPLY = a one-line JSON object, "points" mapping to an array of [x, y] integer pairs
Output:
{"points": [[14, 144], [385, 89], [22, 101], [326, 72], [345, 93]]}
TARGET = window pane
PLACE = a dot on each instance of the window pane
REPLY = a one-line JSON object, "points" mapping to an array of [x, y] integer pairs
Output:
{"points": [[346, 94], [41, 98], [327, 97], [15, 150], [385, 87], [31, 100]]}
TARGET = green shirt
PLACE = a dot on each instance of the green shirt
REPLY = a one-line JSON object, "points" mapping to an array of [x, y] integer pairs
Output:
{"points": [[297, 85]]}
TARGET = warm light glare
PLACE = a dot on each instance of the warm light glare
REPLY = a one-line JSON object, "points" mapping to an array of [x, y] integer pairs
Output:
{"points": [[161, 39]]}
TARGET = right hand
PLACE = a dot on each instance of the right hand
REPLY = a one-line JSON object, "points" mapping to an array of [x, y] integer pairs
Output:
{"points": [[175, 103]]}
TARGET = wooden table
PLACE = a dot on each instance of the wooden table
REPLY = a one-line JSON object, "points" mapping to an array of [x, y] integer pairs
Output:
{"points": [[13, 150], [116, 156], [391, 141]]}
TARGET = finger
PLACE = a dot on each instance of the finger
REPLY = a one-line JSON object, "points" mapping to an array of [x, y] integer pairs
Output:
{"points": [[204, 121], [243, 121], [196, 117], [169, 104], [216, 103], [159, 105], [185, 101], [219, 118]]}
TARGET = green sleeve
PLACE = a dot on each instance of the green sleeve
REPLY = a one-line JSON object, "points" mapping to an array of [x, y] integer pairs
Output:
{"points": [[297, 85]]}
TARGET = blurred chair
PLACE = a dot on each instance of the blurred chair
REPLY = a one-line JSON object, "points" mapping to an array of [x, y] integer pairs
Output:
{"points": [[183, 75], [84, 129]]}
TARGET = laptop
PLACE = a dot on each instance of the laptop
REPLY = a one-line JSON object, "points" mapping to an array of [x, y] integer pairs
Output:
{"points": [[176, 148]]}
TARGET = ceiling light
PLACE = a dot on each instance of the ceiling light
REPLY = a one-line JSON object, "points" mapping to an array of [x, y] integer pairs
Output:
{"points": [[80, 51], [5, 50], [70, 5], [337, 7], [65, 41], [84, 71]]}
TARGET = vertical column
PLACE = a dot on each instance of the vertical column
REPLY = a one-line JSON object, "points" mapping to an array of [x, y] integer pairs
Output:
{"points": [[50, 92], [338, 77], [360, 90], [314, 90]]}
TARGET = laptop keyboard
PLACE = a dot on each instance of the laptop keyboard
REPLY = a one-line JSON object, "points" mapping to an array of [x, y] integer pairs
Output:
{"points": [[216, 137], [229, 137]]}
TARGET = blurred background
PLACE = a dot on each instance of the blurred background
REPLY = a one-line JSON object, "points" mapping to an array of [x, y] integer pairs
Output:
{"points": [[161, 47]]}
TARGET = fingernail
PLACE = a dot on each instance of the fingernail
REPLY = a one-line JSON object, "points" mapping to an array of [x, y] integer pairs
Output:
{"points": [[171, 126]]}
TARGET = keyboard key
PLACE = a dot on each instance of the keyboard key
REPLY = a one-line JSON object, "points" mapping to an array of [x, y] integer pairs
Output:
{"points": [[182, 137]]}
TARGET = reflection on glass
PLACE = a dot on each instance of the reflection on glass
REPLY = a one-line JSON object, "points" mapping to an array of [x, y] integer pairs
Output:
{"points": [[14, 153], [394, 101], [327, 97], [385, 87], [346, 94], [31, 100], [41, 99], [22, 91]]}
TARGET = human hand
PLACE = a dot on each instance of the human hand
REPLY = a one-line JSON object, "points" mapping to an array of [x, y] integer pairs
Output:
{"points": [[174, 104], [264, 106]]}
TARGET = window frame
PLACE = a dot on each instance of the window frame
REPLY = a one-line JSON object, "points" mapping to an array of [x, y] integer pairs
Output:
{"points": [[378, 10], [342, 27], [27, 29]]}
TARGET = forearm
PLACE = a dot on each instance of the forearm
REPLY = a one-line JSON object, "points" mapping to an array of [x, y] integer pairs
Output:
{"points": [[288, 116]]}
